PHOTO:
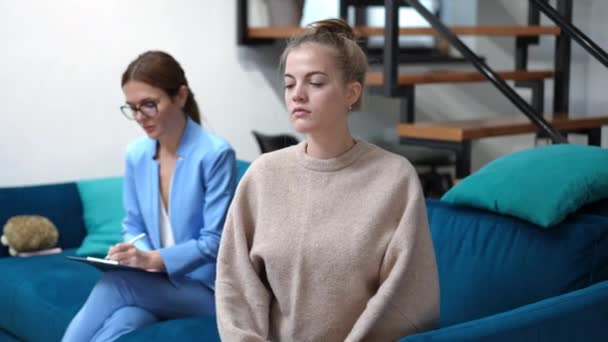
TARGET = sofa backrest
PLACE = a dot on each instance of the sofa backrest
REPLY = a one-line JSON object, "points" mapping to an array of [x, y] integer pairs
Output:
{"points": [[489, 263], [241, 168], [60, 203]]}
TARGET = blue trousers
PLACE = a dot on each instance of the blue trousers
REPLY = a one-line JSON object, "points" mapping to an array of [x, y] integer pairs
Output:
{"points": [[123, 301]]}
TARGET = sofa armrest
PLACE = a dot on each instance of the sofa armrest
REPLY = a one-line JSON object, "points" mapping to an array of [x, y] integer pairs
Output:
{"points": [[575, 316]]}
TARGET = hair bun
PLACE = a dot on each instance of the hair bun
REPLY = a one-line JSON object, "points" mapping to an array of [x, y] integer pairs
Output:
{"points": [[333, 26]]}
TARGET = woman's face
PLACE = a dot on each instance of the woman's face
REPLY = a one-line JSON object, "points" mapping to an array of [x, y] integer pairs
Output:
{"points": [[316, 96], [164, 112]]}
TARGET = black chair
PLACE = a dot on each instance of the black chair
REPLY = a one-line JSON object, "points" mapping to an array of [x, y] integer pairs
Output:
{"points": [[269, 143], [427, 161]]}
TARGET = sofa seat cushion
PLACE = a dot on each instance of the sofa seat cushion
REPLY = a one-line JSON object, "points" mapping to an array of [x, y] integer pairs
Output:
{"points": [[185, 329], [41, 294], [489, 263]]}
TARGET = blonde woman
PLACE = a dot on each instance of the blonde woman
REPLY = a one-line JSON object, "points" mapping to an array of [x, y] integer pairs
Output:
{"points": [[327, 240]]}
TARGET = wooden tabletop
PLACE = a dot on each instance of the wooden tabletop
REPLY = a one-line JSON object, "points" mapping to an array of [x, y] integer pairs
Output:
{"points": [[462, 130]]}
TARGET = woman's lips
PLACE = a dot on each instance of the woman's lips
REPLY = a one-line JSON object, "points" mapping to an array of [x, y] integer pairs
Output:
{"points": [[299, 113]]}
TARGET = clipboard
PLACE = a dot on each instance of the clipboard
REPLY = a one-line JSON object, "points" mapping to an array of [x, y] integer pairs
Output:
{"points": [[109, 265]]}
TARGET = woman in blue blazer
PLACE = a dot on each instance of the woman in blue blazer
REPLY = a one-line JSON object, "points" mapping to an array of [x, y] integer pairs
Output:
{"points": [[179, 181]]}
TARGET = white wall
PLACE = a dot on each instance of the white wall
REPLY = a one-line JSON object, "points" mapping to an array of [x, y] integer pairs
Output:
{"points": [[61, 63], [60, 71]]}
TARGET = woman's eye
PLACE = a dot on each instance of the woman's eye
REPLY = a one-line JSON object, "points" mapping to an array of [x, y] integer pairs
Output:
{"points": [[148, 104], [288, 86], [316, 84]]}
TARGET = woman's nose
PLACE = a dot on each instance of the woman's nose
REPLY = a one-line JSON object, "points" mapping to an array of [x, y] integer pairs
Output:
{"points": [[138, 116], [299, 94]]}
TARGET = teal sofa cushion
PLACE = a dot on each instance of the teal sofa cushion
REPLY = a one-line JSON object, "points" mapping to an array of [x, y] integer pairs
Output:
{"points": [[541, 185], [58, 202], [241, 168], [490, 263], [40, 295], [103, 213], [5, 336]]}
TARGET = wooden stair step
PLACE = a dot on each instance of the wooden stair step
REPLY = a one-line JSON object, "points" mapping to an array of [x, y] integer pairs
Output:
{"points": [[376, 78], [367, 31], [463, 130]]}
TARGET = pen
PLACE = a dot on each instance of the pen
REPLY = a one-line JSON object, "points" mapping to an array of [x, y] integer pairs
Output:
{"points": [[137, 238], [132, 241]]}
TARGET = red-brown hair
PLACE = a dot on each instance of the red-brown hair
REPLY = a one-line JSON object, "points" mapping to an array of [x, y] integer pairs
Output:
{"points": [[161, 70]]}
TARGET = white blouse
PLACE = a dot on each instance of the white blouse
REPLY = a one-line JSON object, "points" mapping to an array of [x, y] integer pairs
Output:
{"points": [[166, 231]]}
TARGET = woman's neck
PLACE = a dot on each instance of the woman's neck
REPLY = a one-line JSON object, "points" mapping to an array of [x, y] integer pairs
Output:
{"points": [[329, 145], [169, 142]]}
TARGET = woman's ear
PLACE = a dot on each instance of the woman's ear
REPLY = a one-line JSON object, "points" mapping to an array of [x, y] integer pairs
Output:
{"points": [[353, 92], [182, 95]]}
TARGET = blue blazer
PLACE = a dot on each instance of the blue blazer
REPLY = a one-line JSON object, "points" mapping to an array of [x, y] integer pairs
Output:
{"points": [[203, 184]]}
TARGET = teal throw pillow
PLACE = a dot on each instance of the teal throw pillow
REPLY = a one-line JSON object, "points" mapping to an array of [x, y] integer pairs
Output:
{"points": [[103, 214], [241, 168], [541, 185]]}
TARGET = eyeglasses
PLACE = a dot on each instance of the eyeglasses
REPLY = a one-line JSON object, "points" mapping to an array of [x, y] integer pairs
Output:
{"points": [[148, 109]]}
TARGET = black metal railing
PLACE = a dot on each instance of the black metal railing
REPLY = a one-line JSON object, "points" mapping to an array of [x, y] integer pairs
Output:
{"points": [[572, 31], [485, 70]]}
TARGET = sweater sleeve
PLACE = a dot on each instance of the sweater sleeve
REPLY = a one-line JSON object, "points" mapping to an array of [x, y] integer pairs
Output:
{"points": [[242, 298], [407, 299]]}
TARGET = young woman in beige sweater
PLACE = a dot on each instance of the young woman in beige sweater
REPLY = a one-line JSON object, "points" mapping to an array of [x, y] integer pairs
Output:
{"points": [[327, 240]]}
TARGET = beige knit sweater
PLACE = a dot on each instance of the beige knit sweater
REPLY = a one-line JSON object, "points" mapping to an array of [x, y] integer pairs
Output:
{"points": [[327, 250]]}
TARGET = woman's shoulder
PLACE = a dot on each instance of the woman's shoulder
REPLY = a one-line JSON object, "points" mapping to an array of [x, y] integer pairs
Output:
{"points": [[271, 164], [204, 146], [207, 141], [389, 169], [388, 160], [140, 148]]}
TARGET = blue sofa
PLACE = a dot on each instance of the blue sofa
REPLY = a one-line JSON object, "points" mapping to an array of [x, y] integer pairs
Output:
{"points": [[504, 279], [501, 278]]}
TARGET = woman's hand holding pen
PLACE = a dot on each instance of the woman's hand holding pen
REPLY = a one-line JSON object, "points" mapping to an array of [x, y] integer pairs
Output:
{"points": [[127, 254]]}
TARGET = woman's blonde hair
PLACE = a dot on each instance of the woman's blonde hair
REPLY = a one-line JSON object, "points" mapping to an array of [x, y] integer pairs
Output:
{"points": [[338, 35]]}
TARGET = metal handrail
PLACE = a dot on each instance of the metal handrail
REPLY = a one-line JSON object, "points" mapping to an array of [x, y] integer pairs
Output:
{"points": [[576, 34], [485, 70]]}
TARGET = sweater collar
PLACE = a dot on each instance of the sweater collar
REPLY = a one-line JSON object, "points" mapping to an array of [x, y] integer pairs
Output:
{"points": [[333, 164]]}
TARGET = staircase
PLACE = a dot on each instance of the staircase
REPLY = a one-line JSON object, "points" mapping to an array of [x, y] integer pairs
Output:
{"points": [[263, 33], [457, 136]]}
